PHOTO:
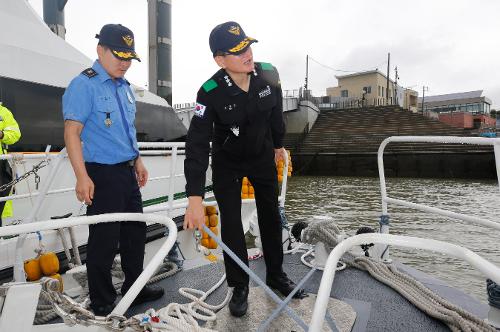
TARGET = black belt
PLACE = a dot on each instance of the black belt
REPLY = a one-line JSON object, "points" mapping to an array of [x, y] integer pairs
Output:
{"points": [[130, 163]]}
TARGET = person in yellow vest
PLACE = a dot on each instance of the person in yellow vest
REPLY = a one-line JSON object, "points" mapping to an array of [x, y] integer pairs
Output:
{"points": [[9, 134]]}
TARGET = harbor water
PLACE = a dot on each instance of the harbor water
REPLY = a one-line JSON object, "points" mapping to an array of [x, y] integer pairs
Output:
{"points": [[352, 202]]}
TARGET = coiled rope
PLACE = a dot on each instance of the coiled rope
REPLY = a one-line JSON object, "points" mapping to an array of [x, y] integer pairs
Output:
{"points": [[45, 311], [324, 231], [414, 291], [422, 297], [185, 317]]}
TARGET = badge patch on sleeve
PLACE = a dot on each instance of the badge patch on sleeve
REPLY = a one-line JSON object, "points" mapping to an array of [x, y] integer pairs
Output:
{"points": [[199, 110]]}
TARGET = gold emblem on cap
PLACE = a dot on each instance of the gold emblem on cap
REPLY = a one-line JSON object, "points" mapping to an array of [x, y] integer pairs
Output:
{"points": [[244, 43], [235, 30], [128, 40], [124, 55]]}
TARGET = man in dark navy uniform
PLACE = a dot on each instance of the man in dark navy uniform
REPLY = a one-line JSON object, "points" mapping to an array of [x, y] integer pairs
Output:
{"points": [[99, 110], [240, 110]]}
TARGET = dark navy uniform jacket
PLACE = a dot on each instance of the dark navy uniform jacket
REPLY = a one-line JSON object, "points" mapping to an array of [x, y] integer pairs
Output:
{"points": [[244, 127]]}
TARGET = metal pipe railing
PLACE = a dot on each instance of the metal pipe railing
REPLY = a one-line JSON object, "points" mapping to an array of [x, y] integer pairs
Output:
{"points": [[19, 260], [146, 274], [488, 269], [384, 223]]}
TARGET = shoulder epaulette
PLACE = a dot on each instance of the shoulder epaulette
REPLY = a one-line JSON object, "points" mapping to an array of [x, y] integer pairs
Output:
{"points": [[209, 85], [89, 72], [266, 66], [128, 83]]}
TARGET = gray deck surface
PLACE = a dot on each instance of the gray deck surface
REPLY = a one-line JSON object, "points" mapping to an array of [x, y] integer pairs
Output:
{"points": [[378, 307]]}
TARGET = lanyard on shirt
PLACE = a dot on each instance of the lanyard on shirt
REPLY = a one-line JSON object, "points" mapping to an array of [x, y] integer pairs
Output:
{"points": [[124, 120]]}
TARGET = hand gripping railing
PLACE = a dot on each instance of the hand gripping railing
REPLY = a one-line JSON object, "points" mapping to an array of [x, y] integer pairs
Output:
{"points": [[384, 219], [325, 287], [150, 269]]}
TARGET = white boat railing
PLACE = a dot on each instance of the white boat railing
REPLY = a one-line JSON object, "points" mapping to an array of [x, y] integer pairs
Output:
{"points": [[384, 218], [19, 259], [488, 269], [55, 162], [167, 151], [143, 278], [179, 150], [154, 148], [183, 203]]}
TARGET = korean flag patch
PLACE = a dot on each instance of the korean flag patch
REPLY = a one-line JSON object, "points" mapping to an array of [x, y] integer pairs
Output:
{"points": [[199, 110]]}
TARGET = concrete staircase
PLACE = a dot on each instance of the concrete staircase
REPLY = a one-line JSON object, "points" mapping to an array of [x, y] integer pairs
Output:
{"points": [[361, 131]]}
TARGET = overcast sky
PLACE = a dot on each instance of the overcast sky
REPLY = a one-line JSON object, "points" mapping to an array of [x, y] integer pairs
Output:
{"points": [[448, 45]]}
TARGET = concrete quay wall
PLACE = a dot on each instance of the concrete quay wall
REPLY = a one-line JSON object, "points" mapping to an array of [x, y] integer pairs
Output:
{"points": [[476, 165]]}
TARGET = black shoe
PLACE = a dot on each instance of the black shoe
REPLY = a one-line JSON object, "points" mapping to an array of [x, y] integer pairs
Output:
{"points": [[103, 310], [148, 293], [285, 286], [239, 301]]}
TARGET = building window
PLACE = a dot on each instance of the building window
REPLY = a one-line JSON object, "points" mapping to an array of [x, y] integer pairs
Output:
{"points": [[379, 92], [367, 89], [344, 93]]}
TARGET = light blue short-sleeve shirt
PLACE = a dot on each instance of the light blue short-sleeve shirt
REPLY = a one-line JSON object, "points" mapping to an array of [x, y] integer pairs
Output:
{"points": [[106, 108]]}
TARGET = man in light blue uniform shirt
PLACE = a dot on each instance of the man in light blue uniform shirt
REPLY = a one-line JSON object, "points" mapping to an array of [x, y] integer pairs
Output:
{"points": [[99, 110], [106, 107]]}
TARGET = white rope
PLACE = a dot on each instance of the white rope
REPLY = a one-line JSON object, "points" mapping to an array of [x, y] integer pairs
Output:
{"points": [[340, 265], [301, 246], [45, 311], [183, 317]]}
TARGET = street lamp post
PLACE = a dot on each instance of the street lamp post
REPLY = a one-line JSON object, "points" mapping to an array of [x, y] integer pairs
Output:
{"points": [[424, 88]]}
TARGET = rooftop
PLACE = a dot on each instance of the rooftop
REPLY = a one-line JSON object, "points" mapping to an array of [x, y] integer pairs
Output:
{"points": [[453, 96], [361, 73]]}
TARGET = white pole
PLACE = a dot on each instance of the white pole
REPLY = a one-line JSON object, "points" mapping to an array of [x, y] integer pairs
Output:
{"points": [[150, 269], [19, 259], [496, 149], [173, 165], [284, 181]]}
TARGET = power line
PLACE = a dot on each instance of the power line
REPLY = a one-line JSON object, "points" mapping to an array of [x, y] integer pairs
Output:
{"points": [[340, 70]]}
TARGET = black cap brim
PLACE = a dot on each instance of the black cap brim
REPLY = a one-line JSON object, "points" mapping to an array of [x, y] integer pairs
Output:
{"points": [[125, 55], [242, 46]]}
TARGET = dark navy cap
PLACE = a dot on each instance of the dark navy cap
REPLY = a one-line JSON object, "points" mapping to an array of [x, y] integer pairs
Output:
{"points": [[229, 38], [120, 40]]}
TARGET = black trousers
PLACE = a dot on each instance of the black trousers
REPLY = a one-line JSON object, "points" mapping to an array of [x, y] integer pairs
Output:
{"points": [[116, 191], [5, 177], [2, 204], [227, 189]]}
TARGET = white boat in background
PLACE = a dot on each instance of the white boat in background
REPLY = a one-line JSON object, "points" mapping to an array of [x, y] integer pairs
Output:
{"points": [[35, 68]]}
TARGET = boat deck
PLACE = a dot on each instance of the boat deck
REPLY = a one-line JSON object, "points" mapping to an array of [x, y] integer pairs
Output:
{"points": [[378, 307]]}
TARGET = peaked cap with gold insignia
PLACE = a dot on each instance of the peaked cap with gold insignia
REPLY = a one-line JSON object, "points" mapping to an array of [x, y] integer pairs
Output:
{"points": [[229, 38], [120, 40]]}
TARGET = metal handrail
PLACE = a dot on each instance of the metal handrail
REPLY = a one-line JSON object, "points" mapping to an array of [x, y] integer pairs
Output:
{"points": [[432, 139], [490, 270], [41, 195], [146, 274]]}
